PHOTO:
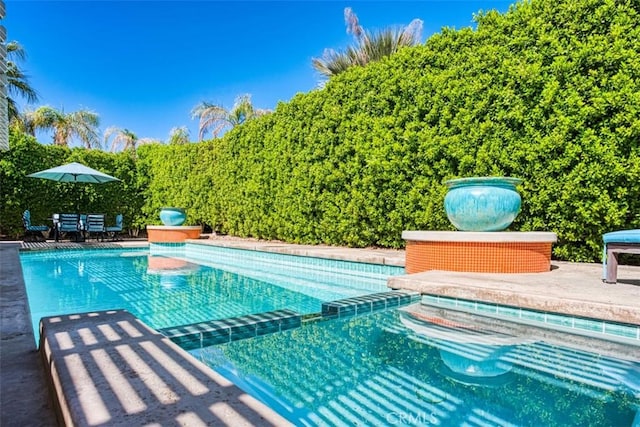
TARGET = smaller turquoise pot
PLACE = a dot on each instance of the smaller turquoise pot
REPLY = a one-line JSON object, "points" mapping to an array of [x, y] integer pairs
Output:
{"points": [[173, 216], [482, 203]]}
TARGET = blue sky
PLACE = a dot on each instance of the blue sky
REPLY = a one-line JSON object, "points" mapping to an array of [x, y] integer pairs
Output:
{"points": [[144, 65]]}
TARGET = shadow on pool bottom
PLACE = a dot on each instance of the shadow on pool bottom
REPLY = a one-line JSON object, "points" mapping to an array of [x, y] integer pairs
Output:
{"points": [[374, 370]]}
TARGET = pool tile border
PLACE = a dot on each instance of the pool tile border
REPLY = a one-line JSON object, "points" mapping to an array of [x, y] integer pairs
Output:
{"points": [[349, 307], [221, 331], [202, 251], [576, 324]]}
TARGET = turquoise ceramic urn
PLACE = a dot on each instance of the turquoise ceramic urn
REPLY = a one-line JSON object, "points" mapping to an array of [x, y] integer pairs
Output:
{"points": [[482, 203], [173, 216]]}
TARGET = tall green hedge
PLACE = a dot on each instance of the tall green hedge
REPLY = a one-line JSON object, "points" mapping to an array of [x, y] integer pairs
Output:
{"points": [[176, 175], [548, 92]]}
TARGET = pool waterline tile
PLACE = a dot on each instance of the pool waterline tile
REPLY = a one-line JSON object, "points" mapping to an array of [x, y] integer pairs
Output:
{"points": [[267, 328], [239, 332], [221, 331], [368, 303], [621, 330], [553, 320]]}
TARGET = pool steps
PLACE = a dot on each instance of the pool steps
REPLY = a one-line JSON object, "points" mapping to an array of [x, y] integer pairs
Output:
{"points": [[615, 331], [94, 359], [204, 334], [354, 306]]}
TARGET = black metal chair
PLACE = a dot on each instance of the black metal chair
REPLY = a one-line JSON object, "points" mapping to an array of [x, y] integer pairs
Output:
{"points": [[70, 224], [95, 225], [32, 231], [113, 231]]}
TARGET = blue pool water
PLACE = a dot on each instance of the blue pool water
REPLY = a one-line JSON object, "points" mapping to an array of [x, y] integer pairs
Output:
{"points": [[394, 367], [166, 288]]}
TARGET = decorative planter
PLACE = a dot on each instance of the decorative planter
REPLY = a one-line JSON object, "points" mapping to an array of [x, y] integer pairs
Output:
{"points": [[172, 216], [482, 203]]}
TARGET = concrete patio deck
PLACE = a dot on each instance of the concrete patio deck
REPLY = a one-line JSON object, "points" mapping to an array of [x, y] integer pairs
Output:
{"points": [[569, 288]]}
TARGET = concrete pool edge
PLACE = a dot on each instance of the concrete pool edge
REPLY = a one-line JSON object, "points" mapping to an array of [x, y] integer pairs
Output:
{"points": [[392, 257], [569, 289], [110, 368], [24, 393]]}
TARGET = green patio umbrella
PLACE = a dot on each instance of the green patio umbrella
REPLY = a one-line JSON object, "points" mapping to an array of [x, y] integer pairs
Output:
{"points": [[74, 172]]}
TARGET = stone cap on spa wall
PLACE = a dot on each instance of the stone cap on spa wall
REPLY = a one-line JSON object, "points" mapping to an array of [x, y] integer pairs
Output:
{"points": [[480, 236]]}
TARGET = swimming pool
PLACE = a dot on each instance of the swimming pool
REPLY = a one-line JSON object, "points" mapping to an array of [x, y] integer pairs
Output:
{"points": [[166, 286], [395, 367], [400, 367]]}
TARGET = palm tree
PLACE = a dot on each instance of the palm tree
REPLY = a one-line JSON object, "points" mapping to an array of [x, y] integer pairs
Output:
{"points": [[16, 80], [125, 138], [81, 124], [25, 122], [215, 118], [369, 47], [179, 135]]}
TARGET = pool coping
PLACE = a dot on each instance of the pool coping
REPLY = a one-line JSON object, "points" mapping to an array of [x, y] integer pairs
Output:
{"points": [[109, 368], [569, 289]]}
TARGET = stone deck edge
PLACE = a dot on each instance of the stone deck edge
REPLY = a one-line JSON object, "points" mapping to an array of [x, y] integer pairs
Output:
{"points": [[480, 236], [109, 368], [364, 255], [509, 290]]}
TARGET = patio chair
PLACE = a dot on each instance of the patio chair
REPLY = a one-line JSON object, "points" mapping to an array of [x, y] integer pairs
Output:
{"points": [[113, 231], [32, 231], [68, 223], [615, 243], [95, 225]]}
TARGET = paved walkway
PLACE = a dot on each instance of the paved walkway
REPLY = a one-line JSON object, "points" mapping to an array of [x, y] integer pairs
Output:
{"points": [[24, 398]]}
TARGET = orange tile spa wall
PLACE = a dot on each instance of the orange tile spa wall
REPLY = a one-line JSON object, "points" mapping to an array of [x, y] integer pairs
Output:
{"points": [[169, 236], [478, 257]]}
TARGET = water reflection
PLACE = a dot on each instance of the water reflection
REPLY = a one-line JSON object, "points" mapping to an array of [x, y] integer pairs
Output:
{"points": [[395, 365], [469, 355], [174, 272]]}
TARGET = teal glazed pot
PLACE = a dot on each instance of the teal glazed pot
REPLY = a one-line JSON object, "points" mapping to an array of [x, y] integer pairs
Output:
{"points": [[482, 203], [173, 216]]}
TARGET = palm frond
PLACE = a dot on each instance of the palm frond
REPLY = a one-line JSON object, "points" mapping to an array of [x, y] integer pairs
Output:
{"points": [[84, 125], [123, 137], [17, 83], [179, 135], [210, 117], [369, 46], [215, 118], [16, 50]]}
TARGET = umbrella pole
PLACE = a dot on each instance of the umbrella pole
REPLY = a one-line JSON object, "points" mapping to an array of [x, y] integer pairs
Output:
{"points": [[79, 233]]}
